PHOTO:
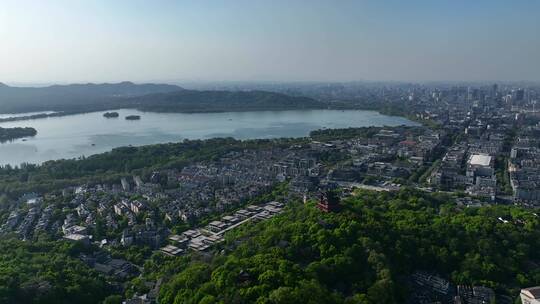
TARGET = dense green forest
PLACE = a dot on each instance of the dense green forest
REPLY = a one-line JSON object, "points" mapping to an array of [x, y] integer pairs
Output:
{"points": [[47, 272], [362, 254], [7, 134]]}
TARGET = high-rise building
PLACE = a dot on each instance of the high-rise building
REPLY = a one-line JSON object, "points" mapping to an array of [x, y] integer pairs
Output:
{"points": [[519, 94], [495, 90], [472, 94]]}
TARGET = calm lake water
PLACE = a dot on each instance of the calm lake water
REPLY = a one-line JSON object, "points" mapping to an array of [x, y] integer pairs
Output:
{"points": [[86, 134]]}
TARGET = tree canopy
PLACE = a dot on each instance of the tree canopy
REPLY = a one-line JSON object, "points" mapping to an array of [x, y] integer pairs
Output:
{"points": [[364, 253]]}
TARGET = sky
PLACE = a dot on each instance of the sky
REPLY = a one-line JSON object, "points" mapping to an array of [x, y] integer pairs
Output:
{"points": [[66, 41]]}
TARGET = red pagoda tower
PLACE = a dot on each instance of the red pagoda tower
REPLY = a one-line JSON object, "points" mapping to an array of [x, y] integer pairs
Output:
{"points": [[329, 202]]}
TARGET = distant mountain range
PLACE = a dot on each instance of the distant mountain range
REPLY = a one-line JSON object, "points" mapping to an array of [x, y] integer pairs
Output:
{"points": [[73, 97], [148, 97]]}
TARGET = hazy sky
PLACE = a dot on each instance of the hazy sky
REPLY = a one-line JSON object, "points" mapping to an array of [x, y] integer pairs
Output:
{"points": [[335, 40]]}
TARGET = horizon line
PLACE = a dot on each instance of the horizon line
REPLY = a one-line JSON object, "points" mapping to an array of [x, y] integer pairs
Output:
{"points": [[194, 81]]}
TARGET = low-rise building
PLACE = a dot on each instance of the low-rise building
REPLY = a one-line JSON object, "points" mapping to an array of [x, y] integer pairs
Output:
{"points": [[530, 295]]}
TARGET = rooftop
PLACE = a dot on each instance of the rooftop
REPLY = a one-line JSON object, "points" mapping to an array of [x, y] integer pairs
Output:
{"points": [[76, 237], [480, 160], [531, 292]]}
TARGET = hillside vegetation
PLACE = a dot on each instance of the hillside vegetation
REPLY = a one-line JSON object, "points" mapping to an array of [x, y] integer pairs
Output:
{"points": [[76, 98], [363, 254]]}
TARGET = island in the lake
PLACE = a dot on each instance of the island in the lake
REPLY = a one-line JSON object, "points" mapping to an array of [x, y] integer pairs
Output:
{"points": [[133, 117], [7, 134], [111, 114]]}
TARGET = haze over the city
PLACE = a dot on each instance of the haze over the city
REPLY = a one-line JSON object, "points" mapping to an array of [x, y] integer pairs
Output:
{"points": [[172, 41]]}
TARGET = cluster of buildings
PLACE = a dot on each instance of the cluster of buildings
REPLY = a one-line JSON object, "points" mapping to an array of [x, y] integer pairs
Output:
{"points": [[524, 165], [493, 139], [201, 239], [21, 222], [103, 263], [481, 175], [390, 156], [431, 288], [479, 118], [205, 189], [468, 169], [137, 210]]}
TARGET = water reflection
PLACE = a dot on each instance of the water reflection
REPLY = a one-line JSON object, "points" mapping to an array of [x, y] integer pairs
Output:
{"points": [[91, 133]]}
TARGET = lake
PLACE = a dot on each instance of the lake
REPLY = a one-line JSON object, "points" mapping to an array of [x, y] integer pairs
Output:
{"points": [[90, 133]]}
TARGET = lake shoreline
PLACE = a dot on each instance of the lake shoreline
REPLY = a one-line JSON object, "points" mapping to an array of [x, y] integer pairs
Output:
{"points": [[144, 110], [85, 134]]}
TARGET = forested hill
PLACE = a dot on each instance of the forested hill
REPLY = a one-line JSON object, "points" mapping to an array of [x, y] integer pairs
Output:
{"points": [[72, 97], [217, 101], [364, 254], [148, 97]]}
